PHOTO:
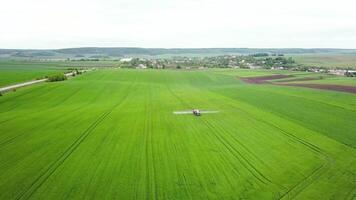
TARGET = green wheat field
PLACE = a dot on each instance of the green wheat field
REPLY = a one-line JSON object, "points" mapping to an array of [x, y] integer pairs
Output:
{"points": [[112, 134]]}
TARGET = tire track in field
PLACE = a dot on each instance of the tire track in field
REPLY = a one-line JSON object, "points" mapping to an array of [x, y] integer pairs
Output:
{"points": [[41, 111], [61, 101], [186, 189], [2, 144], [316, 173], [299, 187], [241, 144], [9, 140], [22, 94], [244, 162], [7, 120], [39, 181], [54, 166], [249, 152], [238, 155], [151, 176], [79, 107]]}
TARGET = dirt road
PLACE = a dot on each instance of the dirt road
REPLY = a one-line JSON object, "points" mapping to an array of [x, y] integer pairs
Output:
{"points": [[28, 83]]}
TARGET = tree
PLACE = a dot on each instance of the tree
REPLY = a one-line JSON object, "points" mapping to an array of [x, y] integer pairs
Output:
{"points": [[57, 77]]}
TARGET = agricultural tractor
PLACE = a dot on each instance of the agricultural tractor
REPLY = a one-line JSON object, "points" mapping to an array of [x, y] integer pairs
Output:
{"points": [[196, 112]]}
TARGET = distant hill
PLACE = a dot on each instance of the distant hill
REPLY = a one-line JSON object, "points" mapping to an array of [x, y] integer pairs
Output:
{"points": [[138, 52]]}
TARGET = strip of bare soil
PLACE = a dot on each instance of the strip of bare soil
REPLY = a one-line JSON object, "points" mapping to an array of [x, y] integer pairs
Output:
{"points": [[340, 88], [299, 79], [263, 79]]}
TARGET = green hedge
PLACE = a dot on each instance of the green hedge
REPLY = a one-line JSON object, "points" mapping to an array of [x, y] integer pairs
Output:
{"points": [[57, 77]]}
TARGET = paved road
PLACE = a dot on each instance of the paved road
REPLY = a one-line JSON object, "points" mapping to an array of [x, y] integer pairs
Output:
{"points": [[12, 87]]}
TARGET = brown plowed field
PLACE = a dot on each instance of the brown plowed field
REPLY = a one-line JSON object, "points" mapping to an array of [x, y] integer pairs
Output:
{"points": [[265, 79], [340, 88], [299, 79]]}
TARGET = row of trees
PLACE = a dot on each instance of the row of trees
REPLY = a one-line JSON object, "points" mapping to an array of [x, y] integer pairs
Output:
{"points": [[278, 62]]}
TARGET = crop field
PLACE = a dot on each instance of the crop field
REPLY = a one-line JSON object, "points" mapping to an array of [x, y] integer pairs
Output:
{"points": [[326, 79], [17, 71], [112, 134], [328, 60], [12, 72]]}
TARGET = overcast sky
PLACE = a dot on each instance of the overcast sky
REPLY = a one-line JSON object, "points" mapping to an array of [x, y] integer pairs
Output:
{"points": [[177, 23]]}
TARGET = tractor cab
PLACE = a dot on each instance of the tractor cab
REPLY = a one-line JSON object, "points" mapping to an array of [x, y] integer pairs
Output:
{"points": [[196, 112]]}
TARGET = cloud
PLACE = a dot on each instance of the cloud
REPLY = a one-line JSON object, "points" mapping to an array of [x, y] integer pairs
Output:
{"points": [[173, 23]]}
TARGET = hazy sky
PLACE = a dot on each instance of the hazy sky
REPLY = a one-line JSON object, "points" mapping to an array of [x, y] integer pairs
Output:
{"points": [[177, 23]]}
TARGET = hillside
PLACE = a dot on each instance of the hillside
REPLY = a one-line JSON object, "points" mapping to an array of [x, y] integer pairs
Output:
{"points": [[132, 51]]}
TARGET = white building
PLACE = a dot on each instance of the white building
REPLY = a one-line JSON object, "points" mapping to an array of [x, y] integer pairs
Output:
{"points": [[125, 59], [142, 66]]}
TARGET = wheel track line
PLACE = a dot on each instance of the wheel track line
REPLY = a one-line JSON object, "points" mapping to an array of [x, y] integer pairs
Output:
{"points": [[322, 168], [52, 107], [305, 182], [48, 110], [39, 181], [53, 167], [38, 88], [174, 149], [307, 144], [231, 151], [10, 119], [241, 144], [315, 174], [314, 148], [3, 144], [224, 157], [6, 142], [180, 100], [221, 140], [312, 177], [24, 132], [259, 176], [150, 165], [221, 128], [146, 132], [42, 94]]}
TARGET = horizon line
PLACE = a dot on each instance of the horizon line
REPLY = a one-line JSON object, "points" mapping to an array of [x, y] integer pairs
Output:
{"points": [[169, 48]]}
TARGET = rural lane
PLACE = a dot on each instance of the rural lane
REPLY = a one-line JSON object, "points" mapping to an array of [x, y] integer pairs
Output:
{"points": [[12, 87]]}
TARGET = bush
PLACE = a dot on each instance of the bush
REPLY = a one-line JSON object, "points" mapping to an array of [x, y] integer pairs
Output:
{"points": [[350, 74], [58, 77]]}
